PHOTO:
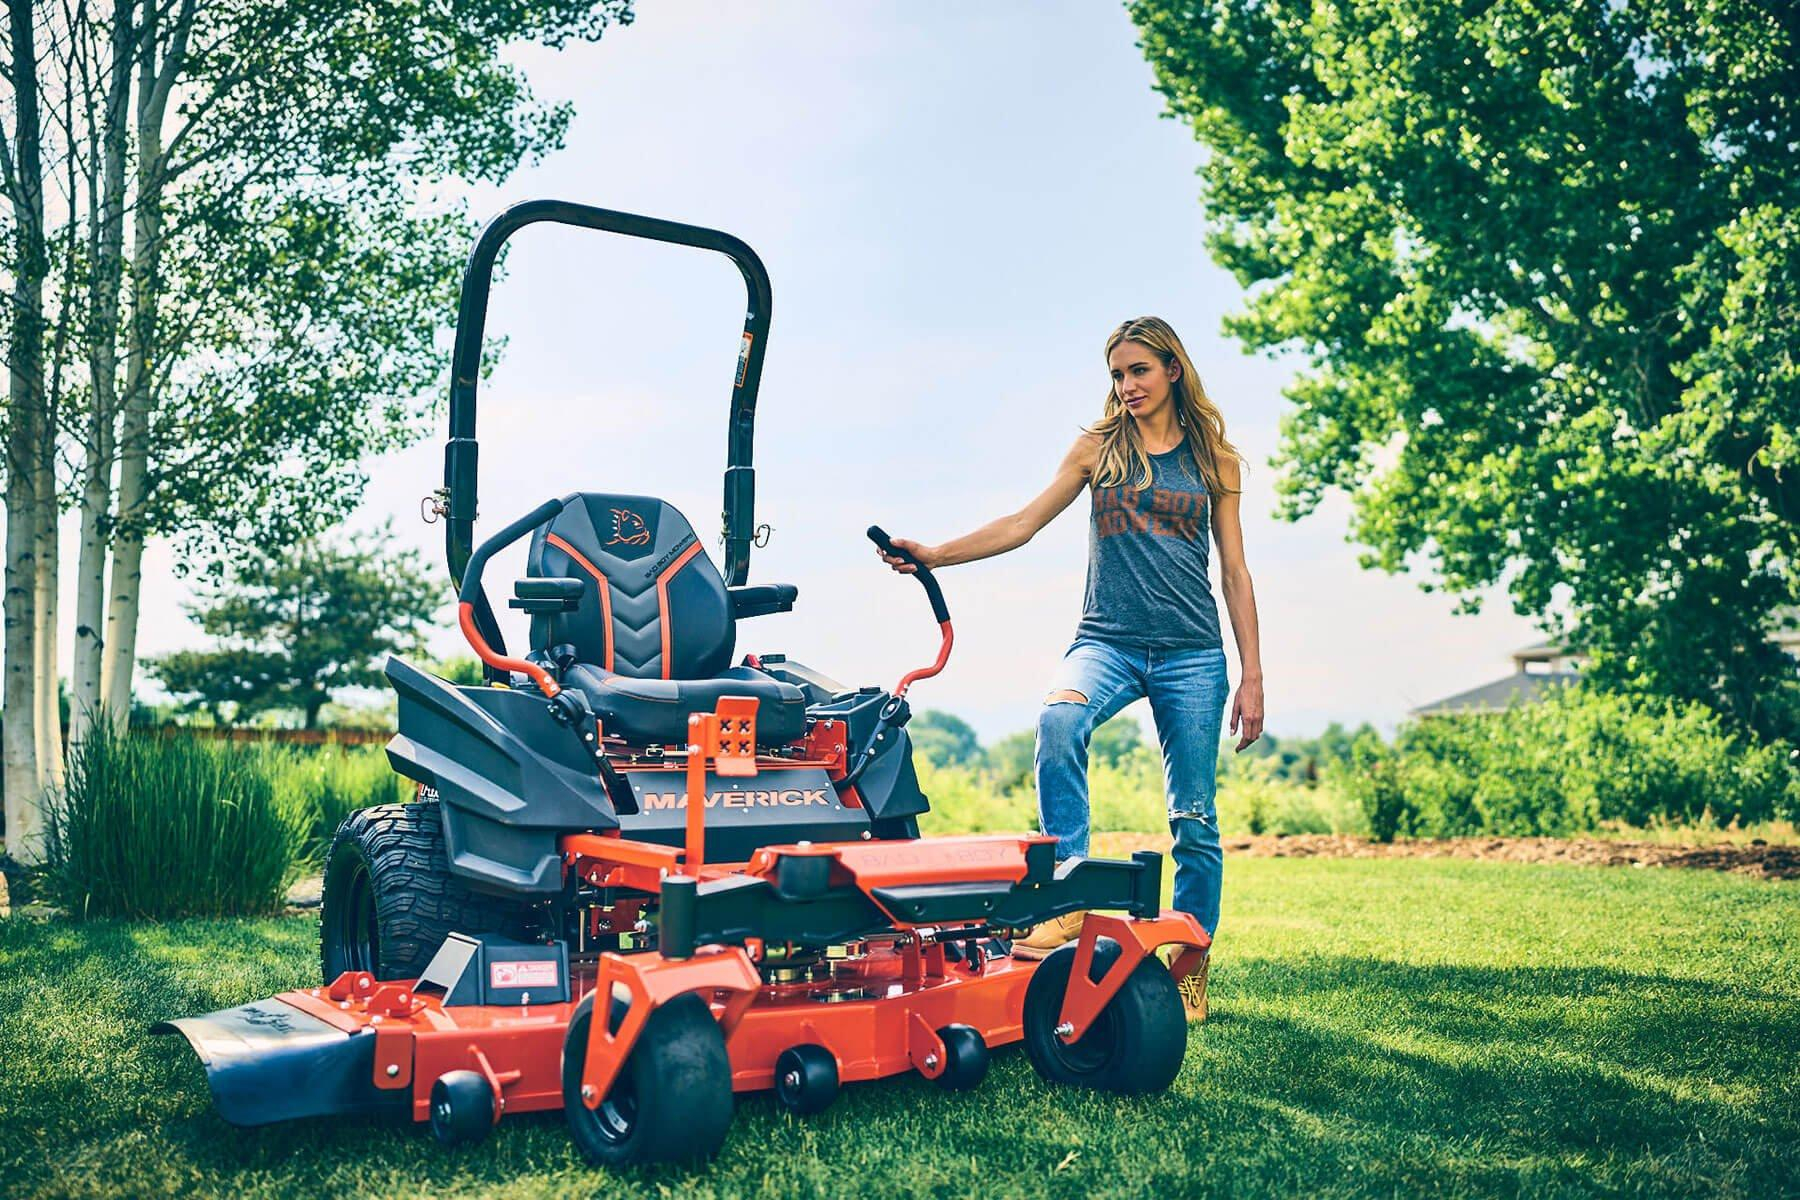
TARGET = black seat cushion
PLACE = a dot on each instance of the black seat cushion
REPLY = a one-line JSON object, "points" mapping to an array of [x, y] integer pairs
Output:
{"points": [[656, 710], [654, 606]]}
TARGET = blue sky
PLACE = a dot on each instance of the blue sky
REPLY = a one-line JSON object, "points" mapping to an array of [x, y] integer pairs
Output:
{"points": [[956, 204]]}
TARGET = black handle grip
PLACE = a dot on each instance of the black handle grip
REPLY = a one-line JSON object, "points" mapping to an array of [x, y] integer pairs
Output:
{"points": [[936, 594]]}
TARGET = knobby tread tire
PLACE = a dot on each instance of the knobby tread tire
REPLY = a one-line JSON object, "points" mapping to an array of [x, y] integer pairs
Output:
{"points": [[399, 849]]}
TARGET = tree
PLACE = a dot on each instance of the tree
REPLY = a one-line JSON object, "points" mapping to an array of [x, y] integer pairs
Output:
{"points": [[297, 627], [945, 740], [240, 289], [1116, 741], [1544, 262]]}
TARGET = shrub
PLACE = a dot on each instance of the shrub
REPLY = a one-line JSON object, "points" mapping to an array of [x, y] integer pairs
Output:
{"points": [[964, 800], [1578, 760], [154, 826]]}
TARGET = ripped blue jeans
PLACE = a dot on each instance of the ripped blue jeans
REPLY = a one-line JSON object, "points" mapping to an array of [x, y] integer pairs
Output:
{"points": [[1187, 690]]}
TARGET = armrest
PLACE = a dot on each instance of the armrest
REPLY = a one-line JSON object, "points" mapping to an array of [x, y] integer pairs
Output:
{"points": [[547, 595], [762, 599]]}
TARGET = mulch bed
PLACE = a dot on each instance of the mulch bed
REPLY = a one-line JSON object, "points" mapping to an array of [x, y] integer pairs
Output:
{"points": [[1759, 859]]}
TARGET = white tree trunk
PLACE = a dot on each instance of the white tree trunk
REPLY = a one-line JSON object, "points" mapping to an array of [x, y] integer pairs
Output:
{"points": [[25, 400], [45, 677], [24, 815], [120, 657], [106, 247]]}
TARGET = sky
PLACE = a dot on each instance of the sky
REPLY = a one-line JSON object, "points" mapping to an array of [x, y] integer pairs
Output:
{"points": [[956, 204]]}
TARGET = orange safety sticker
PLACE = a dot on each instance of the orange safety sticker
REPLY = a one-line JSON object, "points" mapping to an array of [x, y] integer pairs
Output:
{"points": [[744, 357]]}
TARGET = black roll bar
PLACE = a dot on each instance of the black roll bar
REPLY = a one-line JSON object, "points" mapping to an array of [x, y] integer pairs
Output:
{"points": [[460, 452]]}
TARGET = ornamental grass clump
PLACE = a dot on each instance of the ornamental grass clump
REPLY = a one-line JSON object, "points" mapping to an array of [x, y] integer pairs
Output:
{"points": [[327, 784], [157, 827]]}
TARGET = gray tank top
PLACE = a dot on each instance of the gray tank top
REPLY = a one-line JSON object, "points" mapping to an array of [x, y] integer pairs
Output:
{"points": [[1147, 554]]}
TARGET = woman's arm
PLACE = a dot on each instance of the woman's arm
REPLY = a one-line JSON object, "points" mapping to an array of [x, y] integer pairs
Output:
{"points": [[1012, 531], [1240, 600]]}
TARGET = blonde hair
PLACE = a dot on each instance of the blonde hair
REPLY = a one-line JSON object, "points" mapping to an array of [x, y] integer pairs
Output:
{"points": [[1122, 452]]}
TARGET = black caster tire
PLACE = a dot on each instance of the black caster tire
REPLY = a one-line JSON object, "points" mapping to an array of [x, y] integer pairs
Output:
{"points": [[462, 1107], [390, 900], [1136, 1044], [806, 1079], [965, 1058], [672, 1099]]}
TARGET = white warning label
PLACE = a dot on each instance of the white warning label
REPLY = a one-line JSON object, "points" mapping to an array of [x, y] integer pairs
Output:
{"points": [[528, 973]]}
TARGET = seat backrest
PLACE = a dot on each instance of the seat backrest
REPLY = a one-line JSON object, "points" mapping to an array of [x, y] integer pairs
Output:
{"points": [[654, 606]]}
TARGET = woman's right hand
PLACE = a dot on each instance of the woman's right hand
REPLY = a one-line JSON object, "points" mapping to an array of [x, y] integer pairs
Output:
{"points": [[922, 553]]}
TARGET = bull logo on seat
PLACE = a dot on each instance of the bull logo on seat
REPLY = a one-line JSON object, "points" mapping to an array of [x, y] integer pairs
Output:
{"points": [[628, 529]]}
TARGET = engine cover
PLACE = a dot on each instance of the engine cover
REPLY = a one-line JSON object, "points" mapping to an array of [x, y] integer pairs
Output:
{"points": [[775, 807]]}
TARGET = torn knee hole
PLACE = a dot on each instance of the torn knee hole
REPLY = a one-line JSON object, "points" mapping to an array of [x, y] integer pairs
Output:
{"points": [[1065, 696]]}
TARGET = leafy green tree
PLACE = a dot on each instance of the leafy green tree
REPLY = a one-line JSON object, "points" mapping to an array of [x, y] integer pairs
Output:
{"points": [[1543, 259], [297, 627], [1011, 759], [944, 739], [1116, 741], [237, 288]]}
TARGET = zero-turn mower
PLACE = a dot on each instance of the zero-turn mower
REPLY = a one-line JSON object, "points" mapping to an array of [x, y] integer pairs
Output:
{"points": [[723, 859]]}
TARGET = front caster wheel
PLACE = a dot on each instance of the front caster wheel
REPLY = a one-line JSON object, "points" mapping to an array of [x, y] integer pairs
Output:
{"points": [[806, 1079], [1135, 1045], [966, 1058], [672, 1098], [462, 1107]]}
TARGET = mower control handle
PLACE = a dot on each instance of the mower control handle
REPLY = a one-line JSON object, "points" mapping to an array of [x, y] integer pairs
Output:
{"points": [[471, 595], [938, 609], [923, 572]]}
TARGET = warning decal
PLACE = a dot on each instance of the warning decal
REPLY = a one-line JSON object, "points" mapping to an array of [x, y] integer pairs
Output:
{"points": [[525, 974], [744, 357]]}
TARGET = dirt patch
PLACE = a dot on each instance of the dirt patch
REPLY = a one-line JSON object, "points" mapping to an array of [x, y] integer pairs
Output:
{"points": [[1760, 860]]}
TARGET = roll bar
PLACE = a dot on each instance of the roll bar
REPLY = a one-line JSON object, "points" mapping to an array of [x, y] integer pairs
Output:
{"points": [[461, 453]]}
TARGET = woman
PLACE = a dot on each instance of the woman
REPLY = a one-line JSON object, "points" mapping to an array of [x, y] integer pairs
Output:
{"points": [[1161, 473]]}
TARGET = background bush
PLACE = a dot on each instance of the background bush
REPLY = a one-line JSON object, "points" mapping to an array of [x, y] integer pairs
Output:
{"points": [[1576, 762], [155, 826]]}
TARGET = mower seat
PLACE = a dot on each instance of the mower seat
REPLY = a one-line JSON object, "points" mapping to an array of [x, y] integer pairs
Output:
{"points": [[656, 710], [654, 630]]}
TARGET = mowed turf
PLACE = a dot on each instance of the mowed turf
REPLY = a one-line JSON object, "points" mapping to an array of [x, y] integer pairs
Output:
{"points": [[1381, 1027]]}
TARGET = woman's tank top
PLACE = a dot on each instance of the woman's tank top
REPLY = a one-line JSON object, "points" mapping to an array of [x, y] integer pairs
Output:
{"points": [[1147, 555]]}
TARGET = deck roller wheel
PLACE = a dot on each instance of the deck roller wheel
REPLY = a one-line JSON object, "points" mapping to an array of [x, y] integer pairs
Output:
{"points": [[965, 1057], [672, 1099], [462, 1107], [806, 1079], [1135, 1045]]}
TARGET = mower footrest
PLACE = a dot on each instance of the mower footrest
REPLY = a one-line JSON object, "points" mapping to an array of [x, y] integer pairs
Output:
{"points": [[924, 903]]}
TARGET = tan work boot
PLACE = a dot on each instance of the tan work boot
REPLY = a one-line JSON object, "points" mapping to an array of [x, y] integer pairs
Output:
{"points": [[1191, 986], [1058, 931]]}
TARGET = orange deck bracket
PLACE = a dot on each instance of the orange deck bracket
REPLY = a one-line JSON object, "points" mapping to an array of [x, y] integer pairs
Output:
{"points": [[650, 981], [497, 1080], [1086, 999], [727, 736], [924, 1047]]}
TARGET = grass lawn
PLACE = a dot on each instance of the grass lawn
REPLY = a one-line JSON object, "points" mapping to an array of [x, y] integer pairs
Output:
{"points": [[1381, 1027]]}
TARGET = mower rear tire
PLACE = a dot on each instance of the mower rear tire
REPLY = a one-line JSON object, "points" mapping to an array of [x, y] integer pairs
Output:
{"points": [[390, 900], [806, 1078], [462, 1107], [1135, 1045], [671, 1100], [965, 1058]]}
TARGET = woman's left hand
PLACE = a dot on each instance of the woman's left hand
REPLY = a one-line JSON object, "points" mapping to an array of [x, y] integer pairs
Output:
{"points": [[1247, 712]]}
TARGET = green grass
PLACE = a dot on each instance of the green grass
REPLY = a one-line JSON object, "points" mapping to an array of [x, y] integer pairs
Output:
{"points": [[1381, 1027]]}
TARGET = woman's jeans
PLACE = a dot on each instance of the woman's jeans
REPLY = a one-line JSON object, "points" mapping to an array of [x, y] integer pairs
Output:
{"points": [[1187, 691]]}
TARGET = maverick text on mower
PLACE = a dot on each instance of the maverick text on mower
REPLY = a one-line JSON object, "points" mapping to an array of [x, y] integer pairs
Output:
{"points": [[725, 858]]}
